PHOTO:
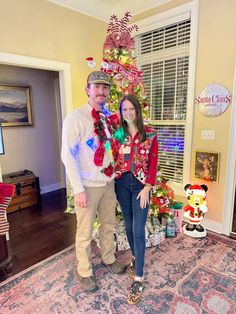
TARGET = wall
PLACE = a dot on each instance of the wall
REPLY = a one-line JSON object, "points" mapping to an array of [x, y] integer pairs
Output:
{"points": [[45, 30], [215, 63], [35, 148], [216, 54]]}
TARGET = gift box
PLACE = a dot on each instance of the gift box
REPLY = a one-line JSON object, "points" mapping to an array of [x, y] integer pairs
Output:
{"points": [[170, 228], [178, 214], [148, 243], [157, 237], [152, 224], [121, 242], [153, 235], [120, 236], [96, 236]]}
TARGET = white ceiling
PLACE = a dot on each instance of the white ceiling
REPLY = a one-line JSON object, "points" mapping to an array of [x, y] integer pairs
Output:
{"points": [[103, 9]]}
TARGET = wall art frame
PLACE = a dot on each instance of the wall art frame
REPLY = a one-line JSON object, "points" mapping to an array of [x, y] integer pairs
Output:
{"points": [[15, 105], [206, 165]]}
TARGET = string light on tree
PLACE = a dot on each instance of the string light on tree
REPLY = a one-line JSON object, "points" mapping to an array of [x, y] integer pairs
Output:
{"points": [[118, 61]]}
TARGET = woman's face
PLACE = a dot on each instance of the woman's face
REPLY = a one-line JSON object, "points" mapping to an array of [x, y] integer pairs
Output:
{"points": [[128, 112]]}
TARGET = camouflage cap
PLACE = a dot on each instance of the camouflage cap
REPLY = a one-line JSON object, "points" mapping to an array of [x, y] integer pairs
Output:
{"points": [[99, 77]]}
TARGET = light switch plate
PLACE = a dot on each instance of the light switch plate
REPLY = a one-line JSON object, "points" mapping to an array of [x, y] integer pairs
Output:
{"points": [[208, 135]]}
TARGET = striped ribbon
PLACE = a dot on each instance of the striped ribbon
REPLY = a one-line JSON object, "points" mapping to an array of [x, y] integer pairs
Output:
{"points": [[4, 225]]}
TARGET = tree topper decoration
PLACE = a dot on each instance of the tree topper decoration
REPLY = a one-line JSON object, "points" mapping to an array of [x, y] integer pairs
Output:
{"points": [[119, 33]]}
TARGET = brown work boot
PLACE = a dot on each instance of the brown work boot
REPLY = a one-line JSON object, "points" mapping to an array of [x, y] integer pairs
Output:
{"points": [[116, 267], [88, 284]]}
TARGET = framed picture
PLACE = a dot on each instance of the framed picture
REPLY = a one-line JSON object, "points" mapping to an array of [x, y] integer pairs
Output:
{"points": [[206, 165], [15, 105]]}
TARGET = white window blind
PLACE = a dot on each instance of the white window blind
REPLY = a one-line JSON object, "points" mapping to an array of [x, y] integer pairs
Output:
{"points": [[163, 56]]}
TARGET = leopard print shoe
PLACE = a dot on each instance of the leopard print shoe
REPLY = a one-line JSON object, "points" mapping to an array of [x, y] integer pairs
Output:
{"points": [[131, 268], [135, 292]]}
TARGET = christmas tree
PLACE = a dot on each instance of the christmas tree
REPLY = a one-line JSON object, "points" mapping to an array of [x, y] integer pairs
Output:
{"points": [[119, 63]]}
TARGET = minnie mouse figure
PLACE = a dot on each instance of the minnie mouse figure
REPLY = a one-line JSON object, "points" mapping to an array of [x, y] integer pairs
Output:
{"points": [[195, 210]]}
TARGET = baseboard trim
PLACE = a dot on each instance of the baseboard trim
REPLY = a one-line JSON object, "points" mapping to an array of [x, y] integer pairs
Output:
{"points": [[211, 225], [51, 187]]}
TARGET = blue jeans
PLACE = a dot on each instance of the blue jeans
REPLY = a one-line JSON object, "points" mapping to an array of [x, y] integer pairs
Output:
{"points": [[127, 189]]}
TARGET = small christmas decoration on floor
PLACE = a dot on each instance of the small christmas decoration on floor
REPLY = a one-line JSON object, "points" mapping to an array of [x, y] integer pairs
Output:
{"points": [[164, 206], [195, 210]]}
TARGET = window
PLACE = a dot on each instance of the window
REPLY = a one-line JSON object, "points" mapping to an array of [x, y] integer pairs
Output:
{"points": [[163, 56]]}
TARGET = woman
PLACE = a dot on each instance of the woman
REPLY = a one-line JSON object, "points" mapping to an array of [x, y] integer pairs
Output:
{"points": [[136, 169]]}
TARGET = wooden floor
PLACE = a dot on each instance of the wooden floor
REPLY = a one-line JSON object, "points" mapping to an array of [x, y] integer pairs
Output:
{"points": [[38, 232]]}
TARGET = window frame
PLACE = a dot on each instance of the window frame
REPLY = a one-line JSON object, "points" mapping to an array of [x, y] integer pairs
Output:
{"points": [[175, 15]]}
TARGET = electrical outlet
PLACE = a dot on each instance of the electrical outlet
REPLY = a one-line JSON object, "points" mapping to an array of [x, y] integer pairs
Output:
{"points": [[208, 135]]}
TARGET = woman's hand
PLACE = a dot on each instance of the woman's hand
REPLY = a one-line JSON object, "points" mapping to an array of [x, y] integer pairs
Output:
{"points": [[144, 196]]}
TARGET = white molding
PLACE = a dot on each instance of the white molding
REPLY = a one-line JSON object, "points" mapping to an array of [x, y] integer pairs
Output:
{"points": [[102, 10], [191, 91], [63, 68], [165, 18], [79, 10], [174, 15], [44, 64], [65, 86], [51, 187], [210, 225], [228, 211]]}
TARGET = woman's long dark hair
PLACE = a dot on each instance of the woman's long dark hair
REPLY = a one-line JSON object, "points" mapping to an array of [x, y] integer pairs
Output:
{"points": [[139, 118]]}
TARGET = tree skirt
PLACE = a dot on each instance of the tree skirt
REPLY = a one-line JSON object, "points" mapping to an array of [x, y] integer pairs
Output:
{"points": [[182, 275]]}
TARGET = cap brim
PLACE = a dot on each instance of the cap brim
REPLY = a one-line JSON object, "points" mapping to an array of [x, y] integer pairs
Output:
{"points": [[100, 82]]}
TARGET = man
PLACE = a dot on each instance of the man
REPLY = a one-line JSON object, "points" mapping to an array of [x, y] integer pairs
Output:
{"points": [[86, 154]]}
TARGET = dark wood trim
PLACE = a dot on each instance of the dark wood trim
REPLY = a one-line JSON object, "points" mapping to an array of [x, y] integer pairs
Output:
{"points": [[233, 235]]}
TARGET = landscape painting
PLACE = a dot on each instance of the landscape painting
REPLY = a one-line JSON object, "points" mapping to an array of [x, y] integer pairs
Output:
{"points": [[15, 105]]}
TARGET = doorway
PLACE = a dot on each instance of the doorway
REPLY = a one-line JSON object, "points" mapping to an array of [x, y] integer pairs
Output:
{"points": [[229, 213], [234, 218], [64, 71]]}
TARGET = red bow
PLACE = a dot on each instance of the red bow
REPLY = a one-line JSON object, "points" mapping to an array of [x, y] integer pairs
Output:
{"points": [[99, 154], [111, 121]]}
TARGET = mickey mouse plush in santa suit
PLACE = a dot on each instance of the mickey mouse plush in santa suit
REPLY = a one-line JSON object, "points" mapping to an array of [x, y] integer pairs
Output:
{"points": [[195, 210]]}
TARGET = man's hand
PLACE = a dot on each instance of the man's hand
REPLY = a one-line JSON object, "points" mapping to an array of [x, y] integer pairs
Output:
{"points": [[81, 200]]}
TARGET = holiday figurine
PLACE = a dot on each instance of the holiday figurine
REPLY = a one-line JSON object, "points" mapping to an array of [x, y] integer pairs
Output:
{"points": [[195, 210]]}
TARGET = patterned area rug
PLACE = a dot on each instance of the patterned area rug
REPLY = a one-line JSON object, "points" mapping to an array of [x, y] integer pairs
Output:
{"points": [[183, 275]]}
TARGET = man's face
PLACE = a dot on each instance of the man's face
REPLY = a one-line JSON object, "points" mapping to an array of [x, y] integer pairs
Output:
{"points": [[98, 93]]}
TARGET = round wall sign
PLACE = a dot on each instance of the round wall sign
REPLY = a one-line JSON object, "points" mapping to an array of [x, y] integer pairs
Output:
{"points": [[213, 100]]}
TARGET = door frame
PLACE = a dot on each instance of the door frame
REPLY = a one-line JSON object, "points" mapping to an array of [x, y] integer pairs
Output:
{"points": [[51, 65], [227, 219]]}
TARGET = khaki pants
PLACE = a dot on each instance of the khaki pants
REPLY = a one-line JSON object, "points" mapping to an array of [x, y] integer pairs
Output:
{"points": [[101, 201]]}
